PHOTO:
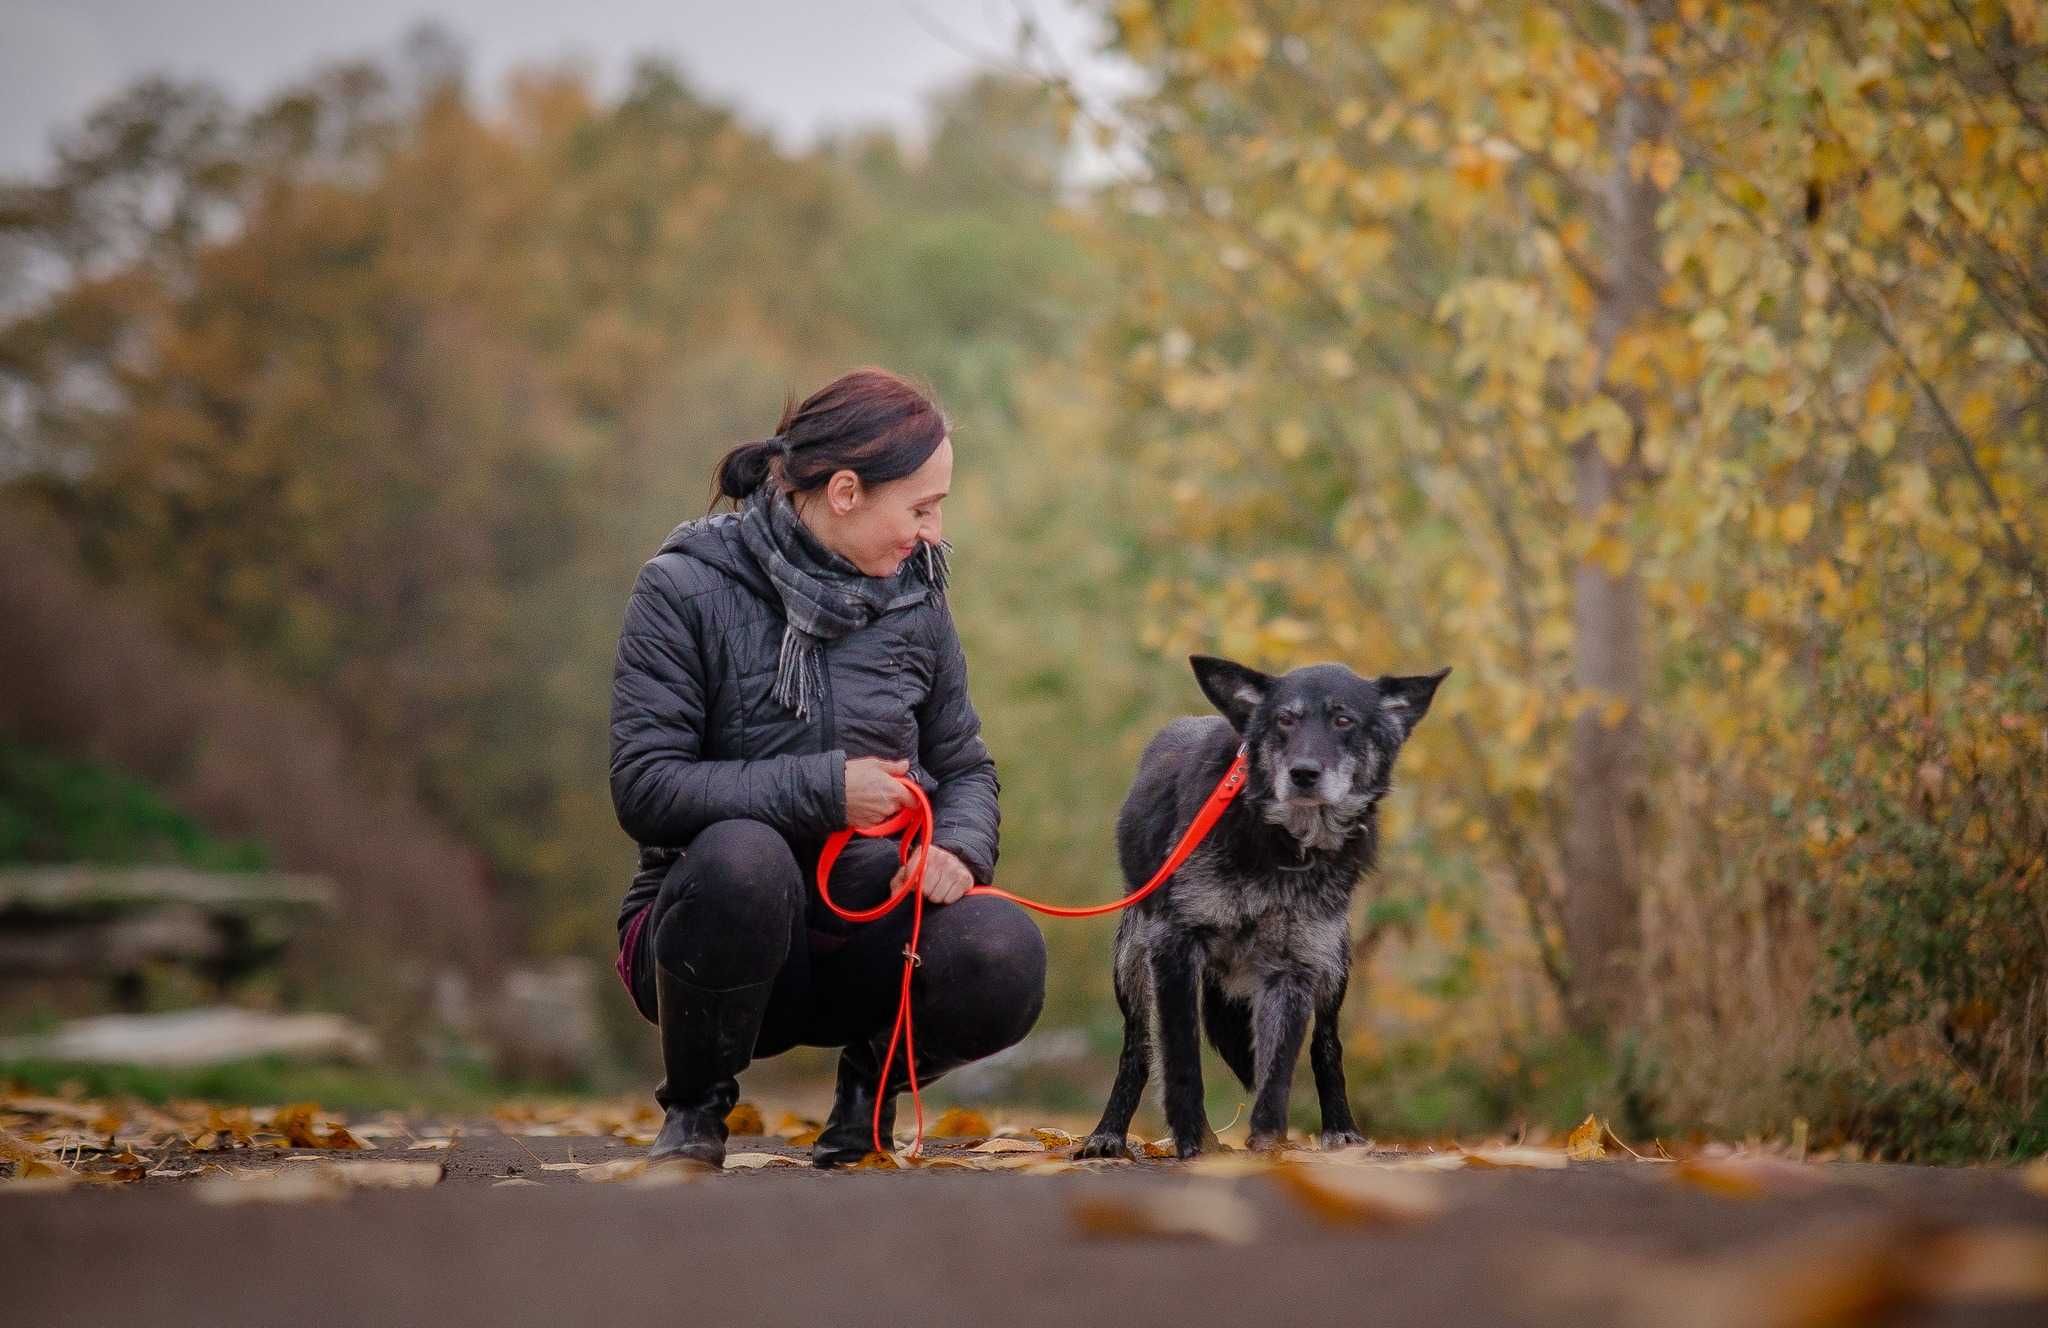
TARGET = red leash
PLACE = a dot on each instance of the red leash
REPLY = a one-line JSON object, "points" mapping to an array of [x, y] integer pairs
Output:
{"points": [[914, 823]]}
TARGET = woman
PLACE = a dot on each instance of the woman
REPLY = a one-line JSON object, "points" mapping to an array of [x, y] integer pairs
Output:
{"points": [[779, 666]]}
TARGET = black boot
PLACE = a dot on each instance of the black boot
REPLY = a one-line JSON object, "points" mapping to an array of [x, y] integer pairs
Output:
{"points": [[707, 1038], [849, 1133]]}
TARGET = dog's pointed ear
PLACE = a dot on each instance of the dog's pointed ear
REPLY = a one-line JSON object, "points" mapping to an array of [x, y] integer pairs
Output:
{"points": [[1407, 698], [1231, 687]]}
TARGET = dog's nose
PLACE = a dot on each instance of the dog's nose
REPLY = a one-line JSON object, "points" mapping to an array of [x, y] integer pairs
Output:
{"points": [[1305, 776]]}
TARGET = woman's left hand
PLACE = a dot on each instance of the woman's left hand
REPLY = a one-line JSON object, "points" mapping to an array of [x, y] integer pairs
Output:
{"points": [[946, 878]]}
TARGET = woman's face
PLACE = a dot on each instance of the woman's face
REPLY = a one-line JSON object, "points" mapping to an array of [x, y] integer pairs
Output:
{"points": [[877, 527]]}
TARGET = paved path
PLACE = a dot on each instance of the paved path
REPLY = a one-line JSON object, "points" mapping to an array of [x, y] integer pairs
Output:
{"points": [[1596, 1243]]}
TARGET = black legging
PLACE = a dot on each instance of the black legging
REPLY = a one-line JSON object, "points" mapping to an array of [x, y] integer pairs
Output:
{"points": [[741, 906]]}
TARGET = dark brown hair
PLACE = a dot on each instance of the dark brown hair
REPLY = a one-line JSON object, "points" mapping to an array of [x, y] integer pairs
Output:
{"points": [[869, 421]]}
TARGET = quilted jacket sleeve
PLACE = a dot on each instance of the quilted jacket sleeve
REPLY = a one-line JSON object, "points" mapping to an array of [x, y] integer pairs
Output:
{"points": [[964, 813], [663, 792]]}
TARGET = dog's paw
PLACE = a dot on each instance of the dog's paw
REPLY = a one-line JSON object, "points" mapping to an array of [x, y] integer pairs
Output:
{"points": [[1192, 1146], [1266, 1141], [1332, 1140], [1103, 1145]]}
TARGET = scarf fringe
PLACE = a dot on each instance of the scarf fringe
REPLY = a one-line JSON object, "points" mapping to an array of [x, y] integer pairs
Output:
{"points": [[799, 671]]}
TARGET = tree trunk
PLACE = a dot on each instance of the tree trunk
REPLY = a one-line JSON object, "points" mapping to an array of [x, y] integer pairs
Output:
{"points": [[1603, 836]]}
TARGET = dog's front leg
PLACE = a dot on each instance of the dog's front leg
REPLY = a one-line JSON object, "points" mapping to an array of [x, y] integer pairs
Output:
{"points": [[1176, 1003], [1326, 1058], [1280, 1017]]}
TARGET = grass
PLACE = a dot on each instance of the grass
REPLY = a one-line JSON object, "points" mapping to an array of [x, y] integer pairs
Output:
{"points": [[270, 1080]]}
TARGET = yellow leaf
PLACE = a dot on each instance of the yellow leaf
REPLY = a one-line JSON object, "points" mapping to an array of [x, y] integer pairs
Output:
{"points": [[1588, 1141], [1201, 1210], [1523, 1156], [1794, 520], [960, 1123], [1747, 1177], [745, 1118], [1665, 164], [1359, 1196]]}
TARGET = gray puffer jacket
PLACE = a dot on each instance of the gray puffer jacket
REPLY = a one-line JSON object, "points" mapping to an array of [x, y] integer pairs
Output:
{"points": [[697, 735]]}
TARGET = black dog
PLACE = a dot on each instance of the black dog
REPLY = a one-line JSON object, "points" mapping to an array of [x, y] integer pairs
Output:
{"points": [[1250, 937]]}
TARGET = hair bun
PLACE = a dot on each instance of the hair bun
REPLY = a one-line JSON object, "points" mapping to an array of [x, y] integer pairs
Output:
{"points": [[746, 467]]}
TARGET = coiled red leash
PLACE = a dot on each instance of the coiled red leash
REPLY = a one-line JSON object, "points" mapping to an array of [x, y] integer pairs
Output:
{"points": [[914, 824]]}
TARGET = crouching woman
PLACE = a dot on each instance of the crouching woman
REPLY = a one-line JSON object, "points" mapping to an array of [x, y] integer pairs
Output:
{"points": [[779, 666]]}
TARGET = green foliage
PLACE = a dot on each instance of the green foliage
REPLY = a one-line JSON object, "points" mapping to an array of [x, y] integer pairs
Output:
{"points": [[54, 809], [269, 1080]]}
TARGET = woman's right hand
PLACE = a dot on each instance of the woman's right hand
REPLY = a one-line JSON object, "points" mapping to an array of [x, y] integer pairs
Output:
{"points": [[872, 793]]}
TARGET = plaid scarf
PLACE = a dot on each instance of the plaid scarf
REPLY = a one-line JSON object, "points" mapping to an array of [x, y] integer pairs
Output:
{"points": [[824, 596]]}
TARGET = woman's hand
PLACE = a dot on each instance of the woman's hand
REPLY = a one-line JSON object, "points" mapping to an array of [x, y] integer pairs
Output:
{"points": [[872, 793], [946, 878]]}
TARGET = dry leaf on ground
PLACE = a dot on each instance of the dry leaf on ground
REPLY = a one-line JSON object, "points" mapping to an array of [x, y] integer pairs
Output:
{"points": [[1008, 1146], [1357, 1196], [960, 1123], [1835, 1272], [1200, 1210], [380, 1175], [1588, 1141], [1748, 1176], [755, 1161], [299, 1185], [1519, 1155], [745, 1118], [799, 1130]]}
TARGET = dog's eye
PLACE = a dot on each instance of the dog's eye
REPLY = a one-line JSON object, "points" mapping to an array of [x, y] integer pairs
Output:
{"points": [[1340, 721], [1284, 720]]}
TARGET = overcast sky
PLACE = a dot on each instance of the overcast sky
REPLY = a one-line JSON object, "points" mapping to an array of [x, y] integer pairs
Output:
{"points": [[791, 66]]}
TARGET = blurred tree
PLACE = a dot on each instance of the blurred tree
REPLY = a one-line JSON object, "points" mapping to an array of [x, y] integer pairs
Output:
{"points": [[1673, 370]]}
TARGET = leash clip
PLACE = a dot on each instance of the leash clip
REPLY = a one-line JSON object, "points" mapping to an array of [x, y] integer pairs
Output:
{"points": [[916, 959]]}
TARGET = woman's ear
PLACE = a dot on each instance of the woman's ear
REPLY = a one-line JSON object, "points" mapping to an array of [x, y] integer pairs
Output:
{"points": [[843, 492]]}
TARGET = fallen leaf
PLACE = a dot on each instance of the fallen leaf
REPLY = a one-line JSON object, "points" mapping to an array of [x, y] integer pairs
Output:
{"points": [[960, 1123], [568, 1166], [754, 1161], [745, 1118], [1201, 1210], [300, 1185], [1229, 1166], [2034, 1176], [418, 1144], [881, 1162], [1008, 1146], [1054, 1138], [798, 1130], [367, 1175], [512, 1180], [625, 1168], [1356, 1196], [1986, 1263], [1748, 1177], [1588, 1141], [671, 1171], [14, 1148], [1540, 1159]]}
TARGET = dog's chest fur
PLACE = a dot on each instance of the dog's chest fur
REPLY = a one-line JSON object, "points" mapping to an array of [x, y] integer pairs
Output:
{"points": [[1253, 917]]}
